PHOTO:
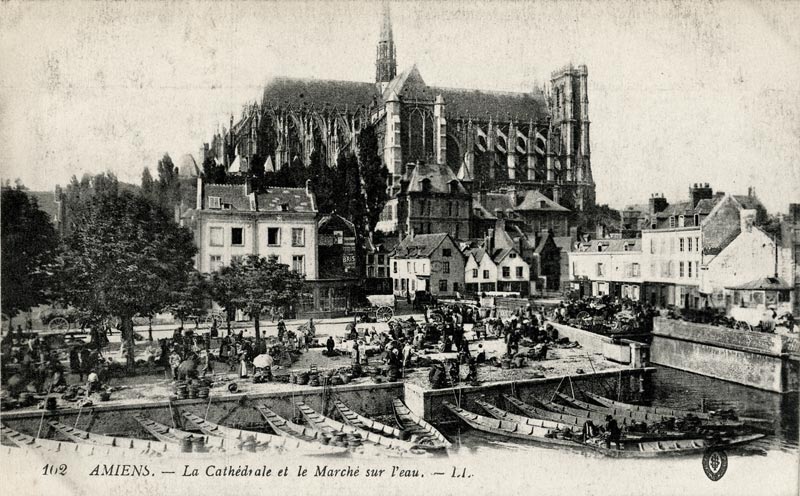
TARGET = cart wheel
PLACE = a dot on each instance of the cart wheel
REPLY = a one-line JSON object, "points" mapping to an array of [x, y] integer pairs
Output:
{"points": [[58, 324], [437, 318], [384, 314], [582, 315]]}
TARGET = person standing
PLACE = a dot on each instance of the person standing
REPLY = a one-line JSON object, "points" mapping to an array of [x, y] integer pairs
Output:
{"points": [[613, 433]]}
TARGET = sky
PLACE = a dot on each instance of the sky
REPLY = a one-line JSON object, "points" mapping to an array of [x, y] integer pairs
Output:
{"points": [[679, 92]]}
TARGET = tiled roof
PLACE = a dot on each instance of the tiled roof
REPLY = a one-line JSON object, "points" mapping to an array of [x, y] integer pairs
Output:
{"points": [[676, 209], [612, 245], [419, 246], [480, 212], [496, 201], [749, 202], [535, 200], [705, 206], [478, 252], [770, 283], [440, 177], [234, 195], [286, 200], [319, 93]]}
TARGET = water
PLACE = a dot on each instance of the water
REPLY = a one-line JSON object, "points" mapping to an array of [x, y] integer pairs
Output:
{"points": [[684, 390]]}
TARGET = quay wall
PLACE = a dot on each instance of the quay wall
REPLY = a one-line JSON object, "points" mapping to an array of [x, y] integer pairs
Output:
{"points": [[745, 357], [233, 410], [595, 343], [623, 383]]}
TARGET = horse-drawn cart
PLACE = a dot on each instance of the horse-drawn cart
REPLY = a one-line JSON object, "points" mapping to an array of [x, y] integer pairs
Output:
{"points": [[381, 309]]}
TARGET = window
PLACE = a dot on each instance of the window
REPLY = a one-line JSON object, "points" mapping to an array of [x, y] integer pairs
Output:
{"points": [[600, 269], [443, 285], [783, 296], [486, 274], [455, 286], [447, 252], [298, 264], [214, 262], [652, 246], [216, 236], [298, 236], [408, 267], [449, 209], [381, 259], [475, 273], [680, 269], [697, 243], [237, 236], [381, 271], [681, 245], [396, 284], [273, 236], [681, 221], [696, 220], [394, 267], [370, 271], [237, 259], [506, 271], [213, 202], [635, 270], [370, 259], [689, 269], [445, 267], [519, 272], [688, 244], [672, 221]]}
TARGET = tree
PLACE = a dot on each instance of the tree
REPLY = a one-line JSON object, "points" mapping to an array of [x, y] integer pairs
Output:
{"points": [[148, 185], [29, 246], [223, 287], [375, 176], [124, 257], [168, 186], [213, 173], [264, 283], [190, 301]]}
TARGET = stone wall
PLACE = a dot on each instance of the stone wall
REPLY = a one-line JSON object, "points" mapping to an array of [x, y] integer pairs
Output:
{"points": [[745, 357]]}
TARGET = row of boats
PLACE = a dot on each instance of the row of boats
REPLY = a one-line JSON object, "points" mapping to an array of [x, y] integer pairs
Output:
{"points": [[320, 435], [647, 431]]}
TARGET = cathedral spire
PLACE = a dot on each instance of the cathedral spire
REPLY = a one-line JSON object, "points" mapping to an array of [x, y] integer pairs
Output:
{"points": [[385, 63]]}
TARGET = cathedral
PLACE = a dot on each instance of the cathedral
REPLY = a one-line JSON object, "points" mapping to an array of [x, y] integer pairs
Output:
{"points": [[490, 141]]}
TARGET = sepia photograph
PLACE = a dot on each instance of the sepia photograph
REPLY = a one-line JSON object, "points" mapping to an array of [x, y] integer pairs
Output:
{"points": [[400, 247]]}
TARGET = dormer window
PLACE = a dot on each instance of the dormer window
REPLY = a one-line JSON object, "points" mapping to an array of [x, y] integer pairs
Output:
{"points": [[681, 221], [671, 221], [542, 204], [426, 185], [226, 206], [284, 207], [696, 220], [213, 202]]}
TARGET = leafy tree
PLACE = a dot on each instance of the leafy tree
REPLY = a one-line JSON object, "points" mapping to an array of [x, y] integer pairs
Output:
{"points": [[223, 287], [148, 185], [190, 301], [374, 174], [168, 186], [264, 283], [213, 173], [29, 244], [124, 257]]}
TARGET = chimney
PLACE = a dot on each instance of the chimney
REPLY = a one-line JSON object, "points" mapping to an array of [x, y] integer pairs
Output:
{"points": [[657, 204], [751, 191], [699, 192], [489, 244], [199, 192]]}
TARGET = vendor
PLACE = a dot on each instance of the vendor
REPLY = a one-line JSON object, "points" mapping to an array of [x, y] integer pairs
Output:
{"points": [[92, 382]]}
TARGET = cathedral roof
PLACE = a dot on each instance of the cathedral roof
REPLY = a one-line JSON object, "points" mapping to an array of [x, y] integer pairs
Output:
{"points": [[319, 92]]}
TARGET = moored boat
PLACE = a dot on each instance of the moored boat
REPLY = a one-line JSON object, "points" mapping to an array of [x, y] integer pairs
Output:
{"points": [[85, 437], [177, 436], [674, 412], [426, 435], [642, 416], [284, 427], [262, 440], [352, 418], [540, 411], [65, 447], [326, 424]]}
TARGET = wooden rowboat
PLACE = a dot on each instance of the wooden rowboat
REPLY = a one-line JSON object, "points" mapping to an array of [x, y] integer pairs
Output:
{"points": [[354, 419], [284, 427], [638, 415], [328, 425], [62, 448], [85, 437], [541, 412], [674, 412], [509, 429], [264, 440], [501, 414], [427, 435], [176, 436]]}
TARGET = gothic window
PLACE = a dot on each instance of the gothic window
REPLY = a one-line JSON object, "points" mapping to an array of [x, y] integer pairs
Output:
{"points": [[418, 134]]}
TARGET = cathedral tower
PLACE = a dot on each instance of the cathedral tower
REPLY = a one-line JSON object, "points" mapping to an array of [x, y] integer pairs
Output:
{"points": [[385, 63]]}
